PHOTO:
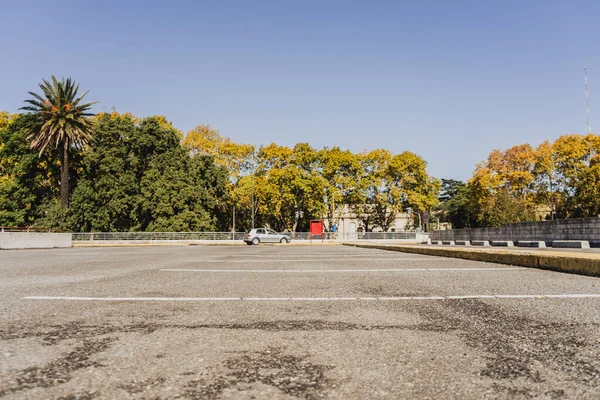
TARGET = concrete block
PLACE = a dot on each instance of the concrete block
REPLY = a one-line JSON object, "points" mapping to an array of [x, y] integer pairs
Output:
{"points": [[503, 243], [571, 244], [448, 242], [463, 243], [31, 240], [531, 243], [480, 243]]}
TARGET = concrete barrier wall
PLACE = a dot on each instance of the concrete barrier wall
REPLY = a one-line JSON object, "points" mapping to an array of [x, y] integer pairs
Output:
{"points": [[564, 229], [25, 240]]}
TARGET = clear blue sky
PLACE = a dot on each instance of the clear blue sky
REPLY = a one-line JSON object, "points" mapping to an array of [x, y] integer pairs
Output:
{"points": [[449, 80]]}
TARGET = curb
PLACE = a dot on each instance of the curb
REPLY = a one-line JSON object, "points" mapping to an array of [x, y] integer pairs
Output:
{"points": [[562, 263]]}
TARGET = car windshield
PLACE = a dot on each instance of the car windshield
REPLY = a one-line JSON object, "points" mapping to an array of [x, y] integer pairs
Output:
{"points": [[271, 232]]}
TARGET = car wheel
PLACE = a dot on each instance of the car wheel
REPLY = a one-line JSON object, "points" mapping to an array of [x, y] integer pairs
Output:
{"points": [[284, 240], [249, 243], [255, 241]]}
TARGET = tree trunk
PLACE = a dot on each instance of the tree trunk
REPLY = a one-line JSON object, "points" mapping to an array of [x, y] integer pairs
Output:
{"points": [[64, 177]]}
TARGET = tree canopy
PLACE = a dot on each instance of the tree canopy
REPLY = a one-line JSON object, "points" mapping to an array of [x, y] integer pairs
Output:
{"points": [[138, 177], [554, 180]]}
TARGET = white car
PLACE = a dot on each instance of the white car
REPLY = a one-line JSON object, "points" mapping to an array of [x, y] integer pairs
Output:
{"points": [[265, 235]]}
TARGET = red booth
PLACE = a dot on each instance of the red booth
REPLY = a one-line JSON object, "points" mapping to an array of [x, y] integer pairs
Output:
{"points": [[317, 228]]}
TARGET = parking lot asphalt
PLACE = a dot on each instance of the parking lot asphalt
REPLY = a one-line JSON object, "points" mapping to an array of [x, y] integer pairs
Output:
{"points": [[286, 322]]}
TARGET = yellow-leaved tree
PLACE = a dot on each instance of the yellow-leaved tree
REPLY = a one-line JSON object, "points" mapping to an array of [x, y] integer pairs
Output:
{"points": [[237, 158], [502, 188]]}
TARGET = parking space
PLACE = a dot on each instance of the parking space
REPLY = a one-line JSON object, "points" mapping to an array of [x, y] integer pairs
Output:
{"points": [[290, 321]]}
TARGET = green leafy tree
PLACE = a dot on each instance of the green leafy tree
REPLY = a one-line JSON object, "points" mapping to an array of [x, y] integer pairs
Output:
{"points": [[418, 190], [390, 185], [107, 196], [16, 164], [504, 208], [27, 181], [301, 187], [59, 119], [287, 189], [341, 170], [237, 158], [454, 204], [368, 194], [176, 195], [138, 177]]}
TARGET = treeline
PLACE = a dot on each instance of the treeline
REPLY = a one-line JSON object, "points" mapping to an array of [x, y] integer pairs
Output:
{"points": [[63, 167], [553, 181], [140, 174], [134, 176], [284, 187]]}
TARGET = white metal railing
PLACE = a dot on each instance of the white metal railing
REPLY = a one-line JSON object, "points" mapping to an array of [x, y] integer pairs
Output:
{"points": [[28, 229], [383, 235], [87, 236], [358, 235], [82, 236]]}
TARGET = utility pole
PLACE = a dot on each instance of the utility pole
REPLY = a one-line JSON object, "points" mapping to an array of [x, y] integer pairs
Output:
{"points": [[253, 200], [332, 209], [587, 103], [254, 167]]}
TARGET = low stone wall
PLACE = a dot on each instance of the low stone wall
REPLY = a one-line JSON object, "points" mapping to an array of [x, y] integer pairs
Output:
{"points": [[30, 240], [547, 231]]}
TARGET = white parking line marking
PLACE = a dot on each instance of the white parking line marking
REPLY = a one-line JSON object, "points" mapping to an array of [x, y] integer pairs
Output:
{"points": [[277, 299], [319, 259], [74, 254], [341, 270], [346, 256]]}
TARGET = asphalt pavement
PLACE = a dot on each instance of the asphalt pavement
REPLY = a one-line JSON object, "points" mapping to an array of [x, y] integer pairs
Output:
{"points": [[289, 322]]}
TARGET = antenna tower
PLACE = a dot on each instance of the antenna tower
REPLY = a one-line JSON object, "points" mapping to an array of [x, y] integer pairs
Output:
{"points": [[587, 103]]}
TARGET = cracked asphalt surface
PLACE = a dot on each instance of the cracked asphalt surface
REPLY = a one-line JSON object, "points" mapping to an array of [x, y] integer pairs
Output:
{"points": [[509, 348]]}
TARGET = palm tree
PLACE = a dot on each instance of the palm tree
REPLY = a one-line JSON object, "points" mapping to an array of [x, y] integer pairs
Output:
{"points": [[58, 119]]}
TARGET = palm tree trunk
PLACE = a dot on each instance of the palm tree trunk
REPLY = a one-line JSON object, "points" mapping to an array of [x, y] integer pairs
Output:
{"points": [[64, 177]]}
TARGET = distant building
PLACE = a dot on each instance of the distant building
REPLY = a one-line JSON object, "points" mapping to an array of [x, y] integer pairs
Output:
{"points": [[348, 224], [543, 213]]}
